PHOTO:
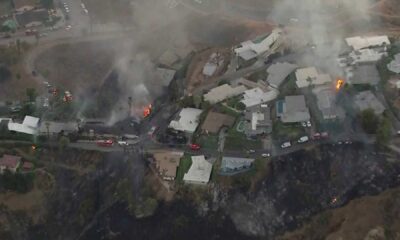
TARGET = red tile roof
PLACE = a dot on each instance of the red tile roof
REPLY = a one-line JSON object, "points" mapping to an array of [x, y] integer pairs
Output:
{"points": [[27, 166], [10, 161]]}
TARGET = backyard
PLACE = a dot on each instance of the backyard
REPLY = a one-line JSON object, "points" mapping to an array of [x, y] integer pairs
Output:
{"points": [[183, 168], [238, 141]]}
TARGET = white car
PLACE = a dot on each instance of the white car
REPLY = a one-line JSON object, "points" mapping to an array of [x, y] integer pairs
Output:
{"points": [[123, 143], [265, 155], [308, 124], [286, 145], [303, 124], [303, 139], [251, 151]]}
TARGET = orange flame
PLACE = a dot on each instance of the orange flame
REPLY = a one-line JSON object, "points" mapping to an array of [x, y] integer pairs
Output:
{"points": [[339, 84], [147, 110]]}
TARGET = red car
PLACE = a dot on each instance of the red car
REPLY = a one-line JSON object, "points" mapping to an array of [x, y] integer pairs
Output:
{"points": [[194, 146], [105, 143]]}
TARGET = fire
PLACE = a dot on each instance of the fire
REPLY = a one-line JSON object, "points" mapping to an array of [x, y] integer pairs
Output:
{"points": [[147, 110], [339, 84]]}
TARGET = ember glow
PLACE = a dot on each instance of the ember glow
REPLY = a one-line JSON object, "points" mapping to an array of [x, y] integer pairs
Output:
{"points": [[339, 84], [147, 110]]}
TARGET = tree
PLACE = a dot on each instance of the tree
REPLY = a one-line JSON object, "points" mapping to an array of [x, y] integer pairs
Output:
{"points": [[197, 100], [63, 143], [383, 132], [240, 106], [369, 121], [31, 94]]}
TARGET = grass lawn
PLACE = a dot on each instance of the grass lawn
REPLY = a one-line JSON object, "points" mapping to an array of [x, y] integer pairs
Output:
{"points": [[226, 110], [282, 132], [238, 141], [183, 168], [208, 141]]}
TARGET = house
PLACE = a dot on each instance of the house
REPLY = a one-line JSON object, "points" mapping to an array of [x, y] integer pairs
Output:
{"points": [[167, 163], [294, 110], [258, 120], [234, 165], [251, 49], [357, 43], [367, 100], [278, 72], [199, 172], [326, 101], [394, 83], [28, 126], [168, 58], [32, 18], [9, 162], [24, 5], [166, 75], [212, 65], [366, 56], [256, 96], [187, 120], [57, 127], [215, 121], [364, 74], [394, 65], [27, 166], [310, 76], [222, 93]]}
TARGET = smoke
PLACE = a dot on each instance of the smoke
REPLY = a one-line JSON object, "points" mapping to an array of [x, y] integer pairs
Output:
{"points": [[323, 25], [156, 29]]}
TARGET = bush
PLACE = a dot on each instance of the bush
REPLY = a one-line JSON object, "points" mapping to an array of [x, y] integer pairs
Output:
{"points": [[21, 183]]}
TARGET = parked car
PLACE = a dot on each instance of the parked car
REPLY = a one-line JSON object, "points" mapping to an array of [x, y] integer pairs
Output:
{"points": [[324, 134], [194, 146], [286, 145], [303, 124], [316, 136], [105, 143], [152, 130], [251, 151], [308, 124], [123, 143], [303, 139], [265, 155]]}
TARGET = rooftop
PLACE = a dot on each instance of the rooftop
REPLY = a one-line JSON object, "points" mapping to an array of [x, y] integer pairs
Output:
{"points": [[166, 75], [326, 101], [257, 96], [57, 127], [215, 121], [295, 109], [25, 18], [394, 65], [187, 121], [307, 76], [278, 72], [258, 120], [223, 92], [364, 42], [10, 161], [367, 100], [260, 45], [199, 171], [168, 58], [365, 74], [28, 126], [24, 3]]}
